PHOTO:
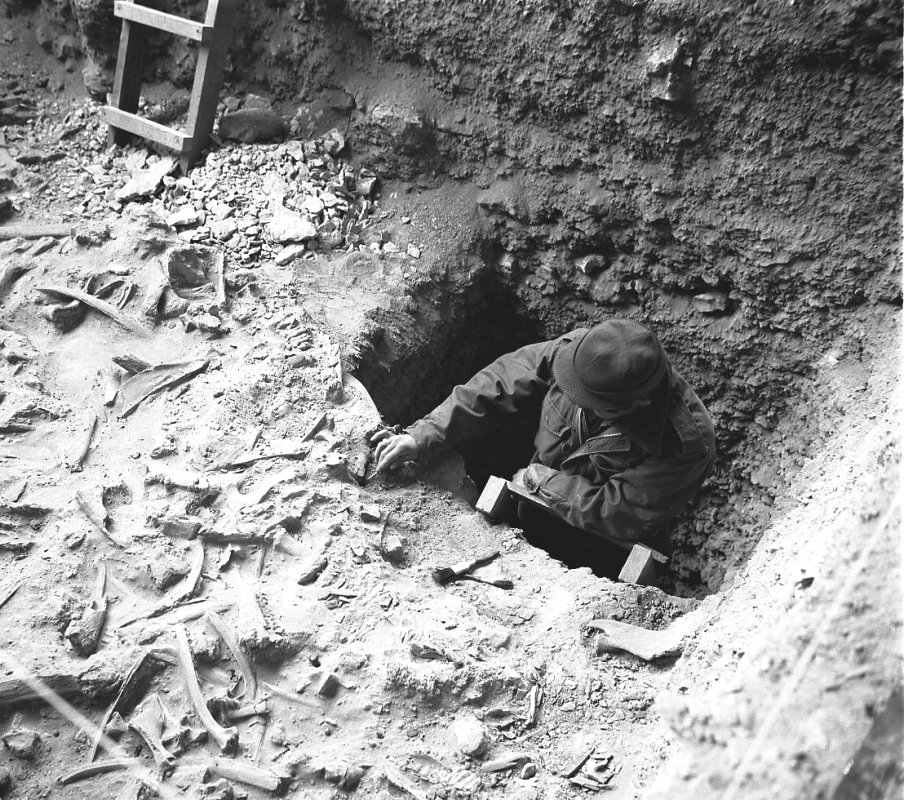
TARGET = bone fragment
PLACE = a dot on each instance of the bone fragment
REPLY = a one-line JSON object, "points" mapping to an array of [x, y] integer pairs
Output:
{"points": [[84, 634], [100, 305], [100, 768], [248, 678], [148, 722], [226, 738], [248, 774], [258, 709], [79, 460]]}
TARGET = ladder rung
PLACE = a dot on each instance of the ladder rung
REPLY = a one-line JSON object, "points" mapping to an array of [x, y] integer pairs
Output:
{"points": [[168, 137], [196, 31]]}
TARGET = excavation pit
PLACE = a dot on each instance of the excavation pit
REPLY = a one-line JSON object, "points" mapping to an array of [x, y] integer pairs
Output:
{"points": [[482, 175]]}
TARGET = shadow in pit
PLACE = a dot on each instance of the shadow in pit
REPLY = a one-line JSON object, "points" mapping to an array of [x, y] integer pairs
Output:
{"points": [[413, 365]]}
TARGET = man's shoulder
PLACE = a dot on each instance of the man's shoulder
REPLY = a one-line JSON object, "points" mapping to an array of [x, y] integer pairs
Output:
{"points": [[690, 418]]}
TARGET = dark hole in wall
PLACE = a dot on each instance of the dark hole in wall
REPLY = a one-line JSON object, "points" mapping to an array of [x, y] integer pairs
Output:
{"points": [[409, 387]]}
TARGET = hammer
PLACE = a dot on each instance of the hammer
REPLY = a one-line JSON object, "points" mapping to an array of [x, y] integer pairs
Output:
{"points": [[444, 575]]}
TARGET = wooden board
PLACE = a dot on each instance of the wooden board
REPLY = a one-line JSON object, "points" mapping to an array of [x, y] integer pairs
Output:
{"points": [[132, 123], [498, 495], [196, 31], [640, 568], [495, 499], [205, 91]]}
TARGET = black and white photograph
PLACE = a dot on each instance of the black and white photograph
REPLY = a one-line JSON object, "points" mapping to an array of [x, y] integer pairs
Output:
{"points": [[451, 400]]}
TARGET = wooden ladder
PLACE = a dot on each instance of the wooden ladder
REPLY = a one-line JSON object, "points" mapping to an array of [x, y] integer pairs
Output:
{"points": [[213, 37]]}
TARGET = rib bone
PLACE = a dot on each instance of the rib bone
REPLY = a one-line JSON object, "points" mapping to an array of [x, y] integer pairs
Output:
{"points": [[226, 738]]}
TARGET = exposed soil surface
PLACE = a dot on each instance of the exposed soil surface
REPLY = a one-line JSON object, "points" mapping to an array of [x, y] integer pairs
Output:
{"points": [[444, 183]]}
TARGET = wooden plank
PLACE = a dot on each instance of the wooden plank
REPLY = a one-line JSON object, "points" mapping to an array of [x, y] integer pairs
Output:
{"points": [[127, 79], [208, 78], [495, 499], [168, 137], [196, 31], [640, 568]]}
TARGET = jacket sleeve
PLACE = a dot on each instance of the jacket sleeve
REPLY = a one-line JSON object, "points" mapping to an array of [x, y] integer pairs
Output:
{"points": [[503, 389], [635, 504]]}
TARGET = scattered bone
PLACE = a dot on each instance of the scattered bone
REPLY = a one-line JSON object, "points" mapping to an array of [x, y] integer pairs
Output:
{"points": [[140, 387], [133, 685], [65, 316], [131, 364], [28, 510], [148, 722], [646, 644], [292, 697], [259, 709], [9, 274], [396, 778], [226, 738], [100, 305], [117, 727], [84, 634], [311, 573], [260, 492], [14, 491], [156, 286], [100, 768], [110, 385], [467, 783], [9, 595], [503, 763], [180, 593], [576, 765], [249, 680], [91, 502], [36, 231], [79, 460], [288, 448], [534, 701], [243, 772]]}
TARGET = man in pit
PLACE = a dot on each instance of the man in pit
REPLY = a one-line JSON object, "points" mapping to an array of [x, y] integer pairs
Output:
{"points": [[622, 441]]}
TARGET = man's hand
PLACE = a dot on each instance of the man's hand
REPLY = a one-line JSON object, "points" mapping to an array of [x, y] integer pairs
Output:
{"points": [[393, 449], [534, 475]]}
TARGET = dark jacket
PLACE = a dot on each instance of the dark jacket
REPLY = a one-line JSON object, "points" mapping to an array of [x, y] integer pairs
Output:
{"points": [[623, 478]]}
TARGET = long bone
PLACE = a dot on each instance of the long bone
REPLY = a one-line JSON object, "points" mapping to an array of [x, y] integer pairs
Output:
{"points": [[226, 738]]}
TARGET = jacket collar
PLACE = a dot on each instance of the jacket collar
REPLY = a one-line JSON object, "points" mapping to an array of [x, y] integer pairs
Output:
{"points": [[646, 425]]}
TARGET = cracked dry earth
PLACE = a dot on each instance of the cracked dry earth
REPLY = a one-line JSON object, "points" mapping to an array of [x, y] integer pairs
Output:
{"points": [[207, 458]]}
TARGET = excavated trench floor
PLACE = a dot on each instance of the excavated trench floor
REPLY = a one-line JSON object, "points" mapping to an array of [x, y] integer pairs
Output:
{"points": [[237, 500]]}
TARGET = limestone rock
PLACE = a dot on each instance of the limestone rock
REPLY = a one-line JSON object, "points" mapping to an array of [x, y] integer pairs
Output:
{"points": [[145, 182], [252, 125], [392, 549], [289, 226], [168, 571], [289, 253], [187, 216], [22, 742], [470, 736], [591, 263], [711, 303]]}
